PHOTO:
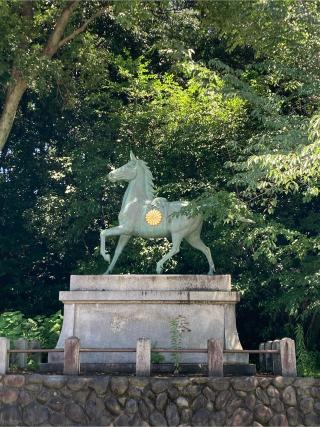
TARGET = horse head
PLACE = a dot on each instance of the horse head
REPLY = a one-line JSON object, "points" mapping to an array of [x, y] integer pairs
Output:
{"points": [[127, 172]]}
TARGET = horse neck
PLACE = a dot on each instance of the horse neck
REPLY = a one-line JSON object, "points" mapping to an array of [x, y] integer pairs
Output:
{"points": [[136, 190]]}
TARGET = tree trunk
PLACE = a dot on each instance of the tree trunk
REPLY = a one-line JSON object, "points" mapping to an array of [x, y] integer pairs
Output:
{"points": [[18, 84], [14, 94]]}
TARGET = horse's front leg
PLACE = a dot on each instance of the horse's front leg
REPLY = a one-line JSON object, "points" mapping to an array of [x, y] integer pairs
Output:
{"points": [[103, 252], [123, 240], [114, 231]]}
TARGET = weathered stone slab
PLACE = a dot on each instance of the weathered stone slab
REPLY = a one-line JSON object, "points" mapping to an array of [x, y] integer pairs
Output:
{"points": [[149, 282], [115, 311], [150, 296]]}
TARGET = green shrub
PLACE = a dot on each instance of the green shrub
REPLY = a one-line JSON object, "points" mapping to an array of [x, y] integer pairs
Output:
{"points": [[308, 362], [14, 325]]}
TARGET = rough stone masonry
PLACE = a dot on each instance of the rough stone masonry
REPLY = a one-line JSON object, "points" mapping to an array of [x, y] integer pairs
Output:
{"points": [[42, 400]]}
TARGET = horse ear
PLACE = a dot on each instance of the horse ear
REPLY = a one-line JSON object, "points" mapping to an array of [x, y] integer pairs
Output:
{"points": [[132, 156]]}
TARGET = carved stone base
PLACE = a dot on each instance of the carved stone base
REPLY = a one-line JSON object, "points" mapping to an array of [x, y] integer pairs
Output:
{"points": [[114, 311]]}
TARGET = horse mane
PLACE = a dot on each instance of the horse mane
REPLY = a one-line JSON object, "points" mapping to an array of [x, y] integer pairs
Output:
{"points": [[148, 179]]}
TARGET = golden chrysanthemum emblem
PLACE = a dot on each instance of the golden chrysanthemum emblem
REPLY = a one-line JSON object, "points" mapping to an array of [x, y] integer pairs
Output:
{"points": [[153, 217]]}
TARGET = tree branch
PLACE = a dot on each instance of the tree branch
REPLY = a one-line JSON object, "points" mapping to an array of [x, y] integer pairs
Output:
{"points": [[53, 43], [83, 27], [18, 84], [27, 9]]}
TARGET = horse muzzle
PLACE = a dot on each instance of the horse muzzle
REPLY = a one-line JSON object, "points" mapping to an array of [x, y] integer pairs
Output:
{"points": [[111, 177]]}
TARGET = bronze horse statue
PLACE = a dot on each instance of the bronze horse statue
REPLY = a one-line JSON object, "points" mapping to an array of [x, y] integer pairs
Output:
{"points": [[143, 215]]}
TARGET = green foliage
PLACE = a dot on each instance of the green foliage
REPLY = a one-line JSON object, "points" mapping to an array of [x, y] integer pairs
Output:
{"points": [[308, 362], [156, 357], [220, 98], [178, 327], [45, 329]]}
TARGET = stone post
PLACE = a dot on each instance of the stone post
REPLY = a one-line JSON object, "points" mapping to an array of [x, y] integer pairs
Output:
{"points": [[262, 358], [71, 356], [288, 357], [4, 355], [21, 359], [268, 356], [215, 358], [143, 357], [276, 358]]}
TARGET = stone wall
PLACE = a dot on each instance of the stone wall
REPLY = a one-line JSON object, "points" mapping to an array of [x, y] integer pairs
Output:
{"points": [[120, 401]]}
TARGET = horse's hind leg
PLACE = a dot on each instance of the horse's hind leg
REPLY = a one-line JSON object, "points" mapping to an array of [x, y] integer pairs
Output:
{"points": [[176, 241], [194, 240]]}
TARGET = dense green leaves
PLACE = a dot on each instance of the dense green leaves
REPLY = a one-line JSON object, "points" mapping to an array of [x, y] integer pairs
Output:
{"points": [[221, 99], [45, 330]]}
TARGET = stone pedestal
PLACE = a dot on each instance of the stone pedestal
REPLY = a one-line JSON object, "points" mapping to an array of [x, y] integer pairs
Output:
{"points": [[116, 310]]}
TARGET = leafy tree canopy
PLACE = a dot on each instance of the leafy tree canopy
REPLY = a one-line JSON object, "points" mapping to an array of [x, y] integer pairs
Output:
{"points": [[220, 98]]}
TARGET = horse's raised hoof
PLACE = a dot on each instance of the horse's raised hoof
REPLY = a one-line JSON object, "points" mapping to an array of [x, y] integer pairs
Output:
{"points": [[106, 257]]}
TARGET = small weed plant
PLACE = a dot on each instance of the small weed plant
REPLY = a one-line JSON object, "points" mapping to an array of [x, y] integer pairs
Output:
{"points": [[156, 357], [178, 327]]}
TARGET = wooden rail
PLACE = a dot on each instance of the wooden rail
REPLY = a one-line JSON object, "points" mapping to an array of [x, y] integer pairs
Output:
{"points": [[36, 350], [278, 356]]}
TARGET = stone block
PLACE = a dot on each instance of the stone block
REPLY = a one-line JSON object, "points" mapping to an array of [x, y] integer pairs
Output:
{"points": [[279, 420], [100, 384], [34, 379], [294, 417], [242, 417], [8, 396], [306, 405], [312, 420], [161, 401], [75, 413], [172, 415], [119, 385], [24, 397], [262, 396], [54, 381], [262, 414], [277, 405], [147, 282], [245, 383], [250, 401], [14, 381], [200, 418], [219, 384], [10, 415], [157, 419], [35, 414], [158, 386], [95, 408], [115, 311], [77, 383], [121, 420], [113, 405], [289, 396], [131, 407]]}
